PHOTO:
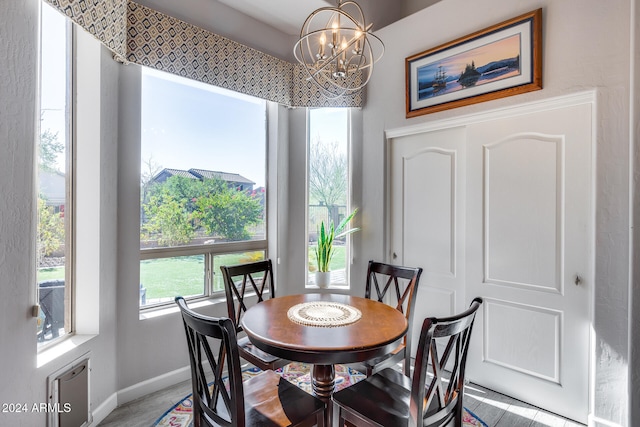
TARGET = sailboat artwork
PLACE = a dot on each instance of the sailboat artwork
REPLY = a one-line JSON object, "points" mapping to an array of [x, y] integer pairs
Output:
{"points": [[499, 60], [439, 80], [502, 60]]}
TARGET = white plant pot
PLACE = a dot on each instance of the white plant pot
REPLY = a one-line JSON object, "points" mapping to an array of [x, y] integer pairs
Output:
{"points": [[323, 279]]}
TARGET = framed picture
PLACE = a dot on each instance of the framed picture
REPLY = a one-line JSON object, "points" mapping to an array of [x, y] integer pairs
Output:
{"points": [[499, 61]]}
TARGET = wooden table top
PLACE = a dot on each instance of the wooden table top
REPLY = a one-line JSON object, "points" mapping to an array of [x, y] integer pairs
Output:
{"points": [[374, 334]]}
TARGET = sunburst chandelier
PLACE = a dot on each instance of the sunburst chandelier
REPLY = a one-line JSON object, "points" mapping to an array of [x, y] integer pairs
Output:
{"points": [[337, 49]]}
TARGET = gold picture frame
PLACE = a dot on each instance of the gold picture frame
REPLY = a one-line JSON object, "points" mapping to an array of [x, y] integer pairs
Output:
{"points": [[502, 60]]}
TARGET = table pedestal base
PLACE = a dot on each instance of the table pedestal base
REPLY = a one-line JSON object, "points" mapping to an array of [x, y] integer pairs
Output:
{"points": [[323, 381]]}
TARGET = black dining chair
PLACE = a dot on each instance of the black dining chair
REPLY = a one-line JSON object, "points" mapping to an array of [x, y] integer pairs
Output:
{"points": [[391, 399], [242, 283], [221, 398], [381, 279]]}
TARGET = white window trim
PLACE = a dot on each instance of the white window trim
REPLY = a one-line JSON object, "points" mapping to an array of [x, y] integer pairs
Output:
{"points": [[349, 242]]}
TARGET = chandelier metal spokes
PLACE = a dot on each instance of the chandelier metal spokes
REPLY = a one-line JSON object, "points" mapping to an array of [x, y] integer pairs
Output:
{"points": [[337, 49]]}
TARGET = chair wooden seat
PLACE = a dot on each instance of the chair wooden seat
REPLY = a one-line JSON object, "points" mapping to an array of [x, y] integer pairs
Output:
{"points": [[264, 400], [391, 399], [257, 357], [242, 282], [269, 400], [377, 406]]}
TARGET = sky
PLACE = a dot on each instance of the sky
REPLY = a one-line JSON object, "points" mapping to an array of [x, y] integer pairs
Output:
{"points": [[185, 124], [505, 48], [188, 124], [53, 78]]}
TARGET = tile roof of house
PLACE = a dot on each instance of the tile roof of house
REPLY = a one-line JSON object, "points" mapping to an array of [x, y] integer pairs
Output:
{"points": [[225, 176], [179, 172], [204, 173]]}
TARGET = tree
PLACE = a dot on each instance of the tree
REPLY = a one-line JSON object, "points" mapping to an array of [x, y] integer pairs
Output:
{"points": [[168, 218], [49, 149], [228, 213], [50, 230], [148, 171], [180, 207], [328, 173]]}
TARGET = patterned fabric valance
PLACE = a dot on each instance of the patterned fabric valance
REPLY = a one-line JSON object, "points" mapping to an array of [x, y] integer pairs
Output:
{"points": [[105, 19], [168, 44], [140, 35]]}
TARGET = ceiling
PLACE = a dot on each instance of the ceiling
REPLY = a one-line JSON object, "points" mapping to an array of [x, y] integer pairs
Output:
{"points": [[273, 26], [285, 15], [289, 15]]}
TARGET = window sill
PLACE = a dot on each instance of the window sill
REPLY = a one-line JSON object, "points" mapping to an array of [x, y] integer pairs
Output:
{"points": [[332, 286], [152, 313], [65, 346]]}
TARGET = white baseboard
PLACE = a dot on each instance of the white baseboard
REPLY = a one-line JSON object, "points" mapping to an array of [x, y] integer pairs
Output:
{"points": [[153, 384], [138, 390], [102, 411]]}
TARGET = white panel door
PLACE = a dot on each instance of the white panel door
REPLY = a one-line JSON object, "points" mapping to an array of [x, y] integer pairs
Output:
{"points": [[502, 210], [529, 256], [427, 218]]}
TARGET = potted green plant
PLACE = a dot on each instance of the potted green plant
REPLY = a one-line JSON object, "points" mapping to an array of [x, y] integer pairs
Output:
{"points": [[324, 250]]}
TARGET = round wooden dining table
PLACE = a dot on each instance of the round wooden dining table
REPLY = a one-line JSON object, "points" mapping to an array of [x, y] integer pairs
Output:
{"points": [[375, 333]]}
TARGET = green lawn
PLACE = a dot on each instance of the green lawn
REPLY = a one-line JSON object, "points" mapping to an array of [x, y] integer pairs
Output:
{"points": [[338, 261], [166, 278], [52, 273]]}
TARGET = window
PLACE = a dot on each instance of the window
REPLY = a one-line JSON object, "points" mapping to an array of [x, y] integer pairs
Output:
{"points": [[54, 241], [328, 190], [202, 186]]}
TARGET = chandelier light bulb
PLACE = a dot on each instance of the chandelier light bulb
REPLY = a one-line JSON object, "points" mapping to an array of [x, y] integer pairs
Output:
{"points": [[346, 67], [358, 35], [322, 41]]}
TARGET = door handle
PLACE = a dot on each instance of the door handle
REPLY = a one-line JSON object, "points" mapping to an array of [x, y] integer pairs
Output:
{"points": [[394, 256], [578, 280]]}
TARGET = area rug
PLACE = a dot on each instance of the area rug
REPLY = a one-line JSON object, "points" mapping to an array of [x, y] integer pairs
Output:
{"points": [[180, 415]]}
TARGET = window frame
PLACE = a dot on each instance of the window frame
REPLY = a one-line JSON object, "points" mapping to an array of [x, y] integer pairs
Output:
{"points": [[349, 204], [70, 157], [209, 251]]}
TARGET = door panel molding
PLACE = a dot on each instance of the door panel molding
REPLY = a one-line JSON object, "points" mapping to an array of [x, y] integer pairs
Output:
{"points": [[524, 196], [506, 322], [437, 224]]}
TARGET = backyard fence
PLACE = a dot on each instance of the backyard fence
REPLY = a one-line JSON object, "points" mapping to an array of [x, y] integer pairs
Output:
{"points": [[319, 213]]}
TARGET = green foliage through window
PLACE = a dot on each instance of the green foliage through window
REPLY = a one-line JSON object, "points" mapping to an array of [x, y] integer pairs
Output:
{"points": [[181, 209]]}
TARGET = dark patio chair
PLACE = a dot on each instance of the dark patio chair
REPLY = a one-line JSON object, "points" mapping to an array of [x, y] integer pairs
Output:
{"points": [[381, 278], [264, 400], [392, 399], [51, 300], [241, 283]]}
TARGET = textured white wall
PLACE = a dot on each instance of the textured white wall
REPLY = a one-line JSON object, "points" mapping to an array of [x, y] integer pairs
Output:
{"points": [[25, 382], [634, 299], [585, 45], [18, 44]]}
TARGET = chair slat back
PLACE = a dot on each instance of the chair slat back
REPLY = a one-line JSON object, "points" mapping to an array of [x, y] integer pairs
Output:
{"points": [[404, 283], [239, 280], [436, 399], [214, 402]]}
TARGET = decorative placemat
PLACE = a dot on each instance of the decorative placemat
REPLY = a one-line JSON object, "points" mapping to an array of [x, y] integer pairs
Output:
{"points": [[323, 313]]}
